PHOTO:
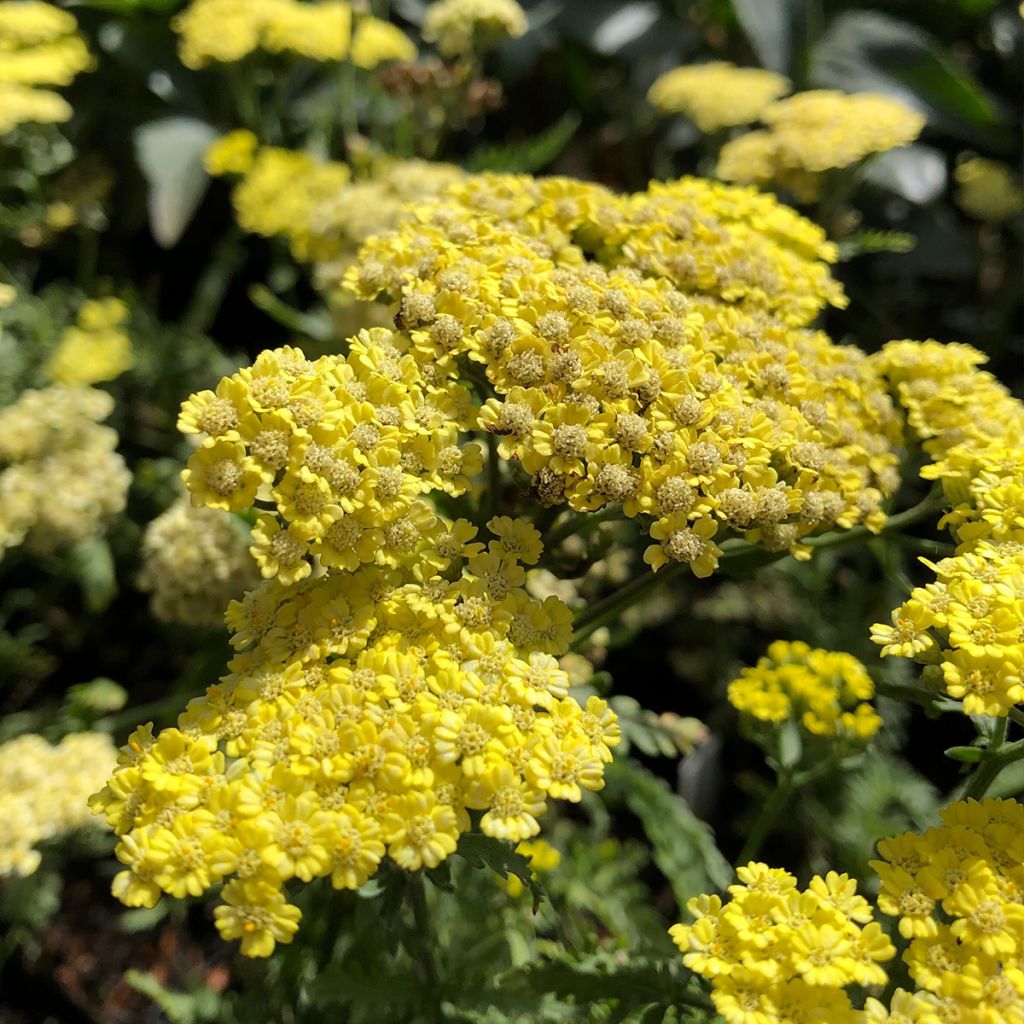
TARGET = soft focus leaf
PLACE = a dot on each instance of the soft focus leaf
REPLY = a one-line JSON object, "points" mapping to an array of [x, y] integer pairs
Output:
{"points": [[93, 565], [968, 755], [683, 846], [170, 154], [916, 173], [769, 27], [868, 51], [528, 156]]}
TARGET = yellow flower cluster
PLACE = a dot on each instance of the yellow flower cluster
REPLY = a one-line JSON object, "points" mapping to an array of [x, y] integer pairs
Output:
{"points": [[639, 353], [225, 31], [776, 954], [460, 28], [64, 481], [814, 132], [827, 692], [367, 713], [718, 94], [39, 46], [988, 190], [96, 348], [958, 891], [313, 204], [195, 561], [344, 447], [968, 620], [44, 792]]}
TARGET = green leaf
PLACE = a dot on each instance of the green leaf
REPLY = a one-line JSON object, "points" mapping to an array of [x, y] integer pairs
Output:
{"points": [[170, 155], [769, 27], [868, 51], [791, 745], [969, 755], [200, 1004], [93, 565], [484, 851], [528, 156], [683, 846]]}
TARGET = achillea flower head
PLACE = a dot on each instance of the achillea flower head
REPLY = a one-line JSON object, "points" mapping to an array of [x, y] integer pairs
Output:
{"points": [[717, 94], [39, 46], [195, 562], [461, 28], [96, 348], [814, 132], [968, 620], [781, 955], [63, 480], [44, 792], [987, 190], [826, 692]]}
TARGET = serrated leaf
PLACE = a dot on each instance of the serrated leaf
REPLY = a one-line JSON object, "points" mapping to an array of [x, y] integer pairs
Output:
{"points": [[484, 851], [683, 846], [768, 25], [869, 51], [170, 155], [529, 156]]}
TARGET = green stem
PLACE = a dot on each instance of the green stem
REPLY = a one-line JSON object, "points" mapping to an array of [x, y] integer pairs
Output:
{"points": [[576, 525], [210, 290], [785, 786], [492, 498], [421, 926], [1016, 715], [994, 762]]}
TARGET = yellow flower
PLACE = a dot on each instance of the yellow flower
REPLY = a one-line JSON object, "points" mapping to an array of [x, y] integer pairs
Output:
{"points": [[233, 153], [461, 28], [220, 475], [377, 42], [256, 912]]}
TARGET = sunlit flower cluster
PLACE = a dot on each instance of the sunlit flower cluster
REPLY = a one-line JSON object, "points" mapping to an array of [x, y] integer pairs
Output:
{"points": [[39, 46], [718, 94], [44, 792], [63, 481], [776, 954], [968, 621], [460, 28], [367, 714], [195, 561], [814, 132], [958, 891], [226, 31], [827, 692], [96, 348], [987, 189], [637, 352]]}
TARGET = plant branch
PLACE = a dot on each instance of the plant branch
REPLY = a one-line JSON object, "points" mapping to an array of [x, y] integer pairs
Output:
{"points": [[421, 928]]}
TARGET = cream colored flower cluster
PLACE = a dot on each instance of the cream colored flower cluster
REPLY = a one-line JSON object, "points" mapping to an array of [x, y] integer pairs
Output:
{"points": [[776, 954], [39, 46], [96, 348], [461, 28], [195, 561], [814, 132], [718, 94], [827, 692], [633, 358], [63, 481], [44, 792], [367, 714], [968, 621], [988, 190], [957, 891], [226, 31]]}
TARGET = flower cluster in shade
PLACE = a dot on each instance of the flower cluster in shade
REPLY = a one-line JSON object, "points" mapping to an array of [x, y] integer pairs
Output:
{"points": [[718, 94], [226, 31], [778, 954], [61, 479], [966, 624], [366, 715], [958, 892], [988, 190], [462, 28], [643, 351], [40, 47], [44, 790], [95, 348], [813, 132], [195, 561], [826, 692]]}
